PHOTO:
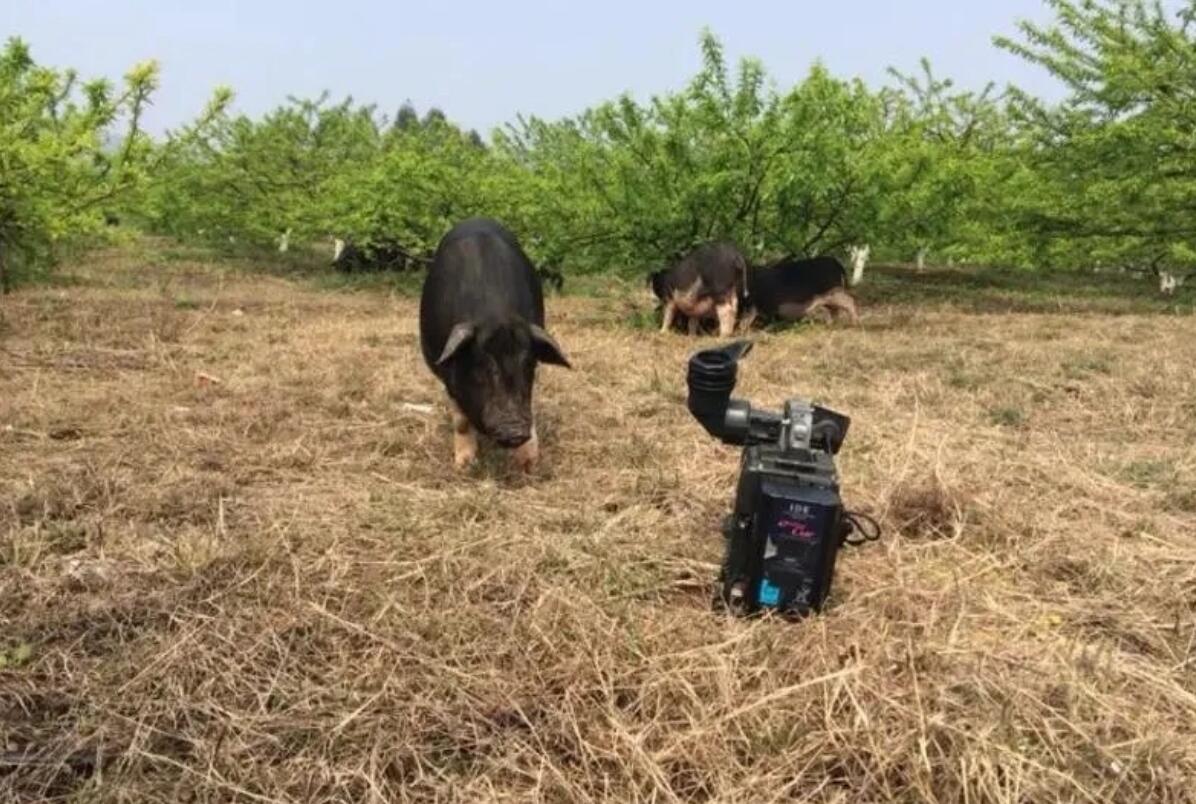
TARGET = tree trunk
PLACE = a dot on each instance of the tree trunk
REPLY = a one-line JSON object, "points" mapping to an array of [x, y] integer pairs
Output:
{"points": [[3, 271], [922, 258]]}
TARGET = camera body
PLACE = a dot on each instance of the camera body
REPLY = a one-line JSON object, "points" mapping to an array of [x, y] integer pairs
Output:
{"points": [[788, 520]]}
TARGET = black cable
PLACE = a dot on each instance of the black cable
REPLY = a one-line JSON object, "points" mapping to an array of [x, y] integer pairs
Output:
{"points": [[855, 522]]}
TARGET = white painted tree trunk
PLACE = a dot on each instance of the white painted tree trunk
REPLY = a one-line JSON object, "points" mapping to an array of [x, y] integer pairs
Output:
{"points": [[922, 258], [859, 260]]}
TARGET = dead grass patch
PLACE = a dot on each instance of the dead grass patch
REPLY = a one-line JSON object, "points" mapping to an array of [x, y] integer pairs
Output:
{"points": [[272, 586], [927, 510]]}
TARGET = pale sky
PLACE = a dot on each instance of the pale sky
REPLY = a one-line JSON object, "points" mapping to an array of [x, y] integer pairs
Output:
{"points": [[484, 62]]}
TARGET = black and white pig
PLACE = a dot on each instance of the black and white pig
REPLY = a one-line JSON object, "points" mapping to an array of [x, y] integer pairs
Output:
{"points": [[707, 283]]}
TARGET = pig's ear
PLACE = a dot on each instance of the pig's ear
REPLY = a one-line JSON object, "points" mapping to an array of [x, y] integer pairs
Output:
{"points": [[548, 350], [456, 339]]}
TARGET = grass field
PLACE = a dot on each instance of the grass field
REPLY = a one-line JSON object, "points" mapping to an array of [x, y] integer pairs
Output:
{"points": [[236, 564]]}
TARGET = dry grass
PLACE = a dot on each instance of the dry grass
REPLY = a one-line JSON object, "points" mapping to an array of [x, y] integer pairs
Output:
{"points": [[270, 586]]}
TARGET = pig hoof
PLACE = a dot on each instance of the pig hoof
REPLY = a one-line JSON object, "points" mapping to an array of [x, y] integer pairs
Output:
{"points": [[526, 461], [464, 460], [528, 455]]}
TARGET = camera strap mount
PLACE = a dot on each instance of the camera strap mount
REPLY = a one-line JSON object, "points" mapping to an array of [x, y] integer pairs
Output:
{"points": [[799, 423], [859, 528]]}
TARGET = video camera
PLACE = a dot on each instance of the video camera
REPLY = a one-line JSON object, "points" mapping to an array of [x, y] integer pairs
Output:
{"points": [[789, 521]]}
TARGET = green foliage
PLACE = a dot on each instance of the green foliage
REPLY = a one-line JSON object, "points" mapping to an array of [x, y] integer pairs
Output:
{"points": [[319, 170], [622, 187], [1117, 160], [727, 158], [16, 656], [63, 164], [415, 186], [253, 180], [975, 177], [58, 165], [944, 170], [1007, 417]]}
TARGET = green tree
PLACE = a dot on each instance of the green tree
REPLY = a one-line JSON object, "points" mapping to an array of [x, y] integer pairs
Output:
{"points": [[253, 180], [632, 184], [407, 118], [943, 152], [321, 170], [1118, 158], [411, 191], [626, 184], [58, 170]]}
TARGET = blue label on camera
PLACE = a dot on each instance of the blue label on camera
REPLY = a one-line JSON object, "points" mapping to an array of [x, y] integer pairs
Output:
{"points": [[770, 595]]}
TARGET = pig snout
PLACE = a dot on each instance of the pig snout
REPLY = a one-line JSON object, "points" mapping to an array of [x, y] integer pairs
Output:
{"points": [[514, 440], [511, 433]]}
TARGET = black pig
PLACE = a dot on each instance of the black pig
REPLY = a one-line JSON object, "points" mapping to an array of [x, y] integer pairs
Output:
{"points": [[793, 288], [481, 328]]}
